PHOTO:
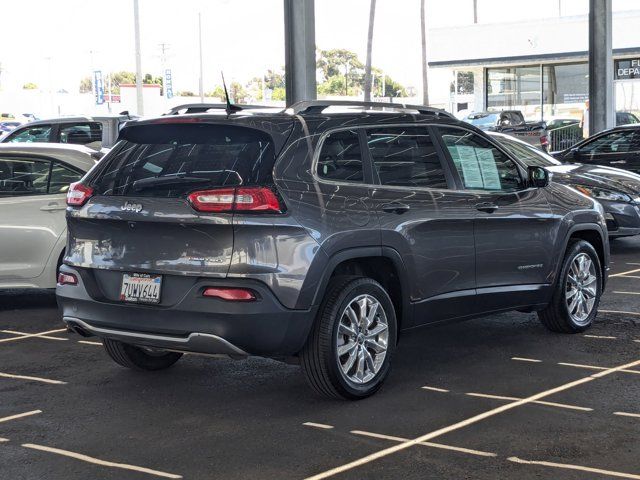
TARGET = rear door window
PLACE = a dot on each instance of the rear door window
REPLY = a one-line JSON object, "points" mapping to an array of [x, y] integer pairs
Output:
{"points": [[406, 156], [23, 176], [87, 133], [172, 160]]}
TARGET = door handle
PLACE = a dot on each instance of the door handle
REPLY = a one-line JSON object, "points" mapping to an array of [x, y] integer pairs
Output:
{"points": [[617, 162], [395, 208], [53, 207], [487, 207]]}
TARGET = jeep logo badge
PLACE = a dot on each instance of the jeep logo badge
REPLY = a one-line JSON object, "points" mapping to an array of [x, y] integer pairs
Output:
{"points": [[131, 207]]}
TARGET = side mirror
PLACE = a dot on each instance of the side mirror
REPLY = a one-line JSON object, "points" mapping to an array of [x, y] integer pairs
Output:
{"points": [[538, 177]]}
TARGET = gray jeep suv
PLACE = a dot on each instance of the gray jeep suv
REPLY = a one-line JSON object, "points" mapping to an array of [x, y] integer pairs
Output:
{"points": [[317, 234]]}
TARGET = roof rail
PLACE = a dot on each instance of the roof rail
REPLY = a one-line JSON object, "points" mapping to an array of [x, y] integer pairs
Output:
{"points": [[204, 107], [318, 106]]}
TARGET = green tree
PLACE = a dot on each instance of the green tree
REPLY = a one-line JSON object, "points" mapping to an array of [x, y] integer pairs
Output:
{"points": [[30, 86], [86, 85], [185, 93]]}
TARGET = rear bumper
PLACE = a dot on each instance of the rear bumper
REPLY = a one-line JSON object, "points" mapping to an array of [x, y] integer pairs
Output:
{"points": [[193, 323]]}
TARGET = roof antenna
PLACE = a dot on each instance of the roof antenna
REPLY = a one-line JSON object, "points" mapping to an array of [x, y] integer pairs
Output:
{"points": [[230, 107]]}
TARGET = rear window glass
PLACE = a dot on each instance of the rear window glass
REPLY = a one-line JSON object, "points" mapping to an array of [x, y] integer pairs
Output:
{"points": [[173, 160]]}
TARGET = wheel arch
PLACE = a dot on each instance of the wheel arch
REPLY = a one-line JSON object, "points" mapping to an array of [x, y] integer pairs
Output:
{"points": [[383, 264]]}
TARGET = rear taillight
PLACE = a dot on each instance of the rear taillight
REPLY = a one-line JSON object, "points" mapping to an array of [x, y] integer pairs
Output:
{"points": [[67, 279], [241, 199], [230, 294], [78, 194]]}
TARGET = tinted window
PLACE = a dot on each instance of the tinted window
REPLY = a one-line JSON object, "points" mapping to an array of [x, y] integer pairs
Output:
{"points": [[528, 154], [406, 156], [89, 134], [340, 158], [481, 166], [614, 142], [61, 177], [23, 176], [173, 160], [31, 134]]}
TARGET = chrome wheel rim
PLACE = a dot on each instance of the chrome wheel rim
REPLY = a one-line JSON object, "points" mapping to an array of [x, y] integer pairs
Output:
{"points": [[362, 339], [581, 288]]}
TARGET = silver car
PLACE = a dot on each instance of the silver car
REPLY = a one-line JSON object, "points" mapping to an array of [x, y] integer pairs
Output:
{"points": [[34, 180]]}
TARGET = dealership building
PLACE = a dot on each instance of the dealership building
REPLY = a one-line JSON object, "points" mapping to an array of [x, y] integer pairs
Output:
{"points": [[538, 66]]}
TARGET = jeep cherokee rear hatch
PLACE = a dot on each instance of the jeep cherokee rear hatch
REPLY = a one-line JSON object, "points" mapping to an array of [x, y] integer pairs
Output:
{"points": [[162, 202]]}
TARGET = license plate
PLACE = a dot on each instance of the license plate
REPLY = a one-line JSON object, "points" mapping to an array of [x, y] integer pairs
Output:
{"points": [[140, 288]]}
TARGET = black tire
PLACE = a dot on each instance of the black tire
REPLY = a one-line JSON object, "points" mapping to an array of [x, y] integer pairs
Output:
{"points": [[137, 358], [319, 358], [556, 316]]}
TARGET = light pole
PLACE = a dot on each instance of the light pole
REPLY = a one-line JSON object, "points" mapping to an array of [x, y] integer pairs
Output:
{"points": [[136, 26], [200, 80]]}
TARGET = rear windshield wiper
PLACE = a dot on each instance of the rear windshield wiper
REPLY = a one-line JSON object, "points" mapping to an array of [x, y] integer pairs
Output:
{"points": [[150, 182]]}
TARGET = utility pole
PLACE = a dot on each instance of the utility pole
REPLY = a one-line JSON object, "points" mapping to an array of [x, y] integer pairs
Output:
{"points": [[425, 80], [139, 93], [200, 80], [475, 11], [367, 69], [601, 104]]}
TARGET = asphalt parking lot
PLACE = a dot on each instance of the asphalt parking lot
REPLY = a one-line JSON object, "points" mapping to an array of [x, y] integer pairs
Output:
{"points": [[493, 398]]}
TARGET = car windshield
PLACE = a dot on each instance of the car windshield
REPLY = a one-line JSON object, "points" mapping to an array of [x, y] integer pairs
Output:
{"points": [[531, 156], [482, 119], [173, 159]]}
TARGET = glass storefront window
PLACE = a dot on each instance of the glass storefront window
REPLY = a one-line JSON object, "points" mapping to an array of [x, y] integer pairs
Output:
{"points": [[515, 88], [565, 90]]}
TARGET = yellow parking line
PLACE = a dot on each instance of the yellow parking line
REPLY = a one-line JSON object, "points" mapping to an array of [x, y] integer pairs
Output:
{"points": [[567, 466], [626, 293], [550, 404], [625, 414], [593, 367], [34, 379], [317, 425], [603, 337], [631, 276], [32, 335], [86, 342], [13, 332], [3, 439], [434, 389], [465, 423], [624, 273], [20, 415], [96, 461], [426, 444], [520, 359]]}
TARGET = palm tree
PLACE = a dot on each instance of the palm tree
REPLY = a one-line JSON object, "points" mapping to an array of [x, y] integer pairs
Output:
{"points": [[425, 83], [367, 70]]}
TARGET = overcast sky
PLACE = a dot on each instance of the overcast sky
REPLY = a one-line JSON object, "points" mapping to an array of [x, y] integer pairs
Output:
{"points": [[66, 39]]}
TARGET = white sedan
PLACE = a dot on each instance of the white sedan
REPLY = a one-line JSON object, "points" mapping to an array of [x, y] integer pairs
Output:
{"points": [[34, 179]]}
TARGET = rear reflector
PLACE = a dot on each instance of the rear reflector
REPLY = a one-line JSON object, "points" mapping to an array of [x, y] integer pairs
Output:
{"points": [[67, 279], [230, 294], [78, 194], [241, 199]]}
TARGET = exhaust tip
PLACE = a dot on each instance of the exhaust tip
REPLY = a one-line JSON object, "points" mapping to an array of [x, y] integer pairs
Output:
{"points": [[79, 330]]}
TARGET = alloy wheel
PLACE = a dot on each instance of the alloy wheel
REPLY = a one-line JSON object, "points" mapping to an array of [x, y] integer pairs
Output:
{"points": [[362, 339], [581, 288]]}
